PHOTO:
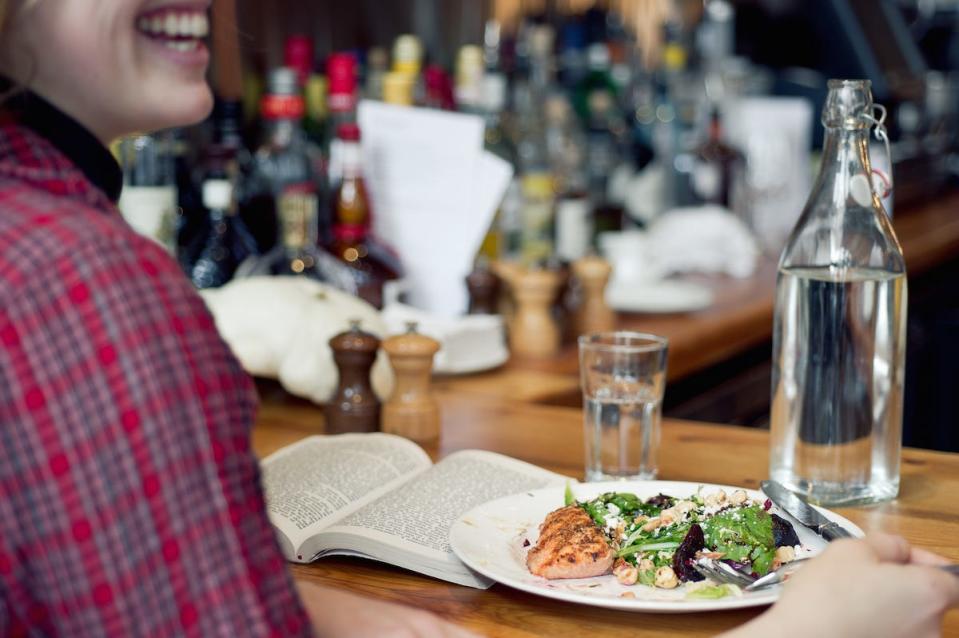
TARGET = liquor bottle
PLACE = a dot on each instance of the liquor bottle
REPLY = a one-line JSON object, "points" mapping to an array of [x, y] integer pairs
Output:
{"points": [[503, 237], [439, 90], [342, 87], [469, 80], [596, 81], [213, 257], [572, 55], [285, 186], [566, 145], [537, 216], [376, 69], [719, 167], [148, 201], [371, 265], [398, 88], [407, 54], [496, 138], [298, 55], [343, 94], [408, 60], [839, 333], [606, 141], [315, 124]]}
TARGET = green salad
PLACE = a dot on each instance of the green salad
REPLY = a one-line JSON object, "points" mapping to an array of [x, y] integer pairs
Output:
{"points": [[657, 540]]}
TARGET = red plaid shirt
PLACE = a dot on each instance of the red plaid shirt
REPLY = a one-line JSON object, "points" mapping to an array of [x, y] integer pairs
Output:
{"points": [[130, 500]]}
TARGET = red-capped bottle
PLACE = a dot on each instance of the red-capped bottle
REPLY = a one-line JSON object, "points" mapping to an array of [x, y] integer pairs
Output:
{"points": [[298, 55], [341, 88], [371, 263]]}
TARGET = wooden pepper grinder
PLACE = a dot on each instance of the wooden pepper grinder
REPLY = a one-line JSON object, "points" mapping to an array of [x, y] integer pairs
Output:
{"points": [[593, 314], [483, 286], [354, 406], [534, 332], [412, 411]]}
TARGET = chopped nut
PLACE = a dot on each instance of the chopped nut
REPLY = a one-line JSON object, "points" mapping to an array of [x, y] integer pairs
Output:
{"points": [[738, 497], [642, 518], [652, 524], [666, 517], [626, 574], [715, 499], [785, 554], [646, 565], [666, 578], [627, 594], [684, 507]]}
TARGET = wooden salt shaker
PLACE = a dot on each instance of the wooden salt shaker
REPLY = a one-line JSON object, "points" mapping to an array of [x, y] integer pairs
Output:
{"points": [[533, 331], [412, 411], [593, 314], [354, 406]]}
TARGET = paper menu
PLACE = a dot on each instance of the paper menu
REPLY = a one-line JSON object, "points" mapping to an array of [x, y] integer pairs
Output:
{"points": [[434, 192]]}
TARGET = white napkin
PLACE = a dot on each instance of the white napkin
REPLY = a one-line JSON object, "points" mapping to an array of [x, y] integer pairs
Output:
{"points": [[705, 239]]}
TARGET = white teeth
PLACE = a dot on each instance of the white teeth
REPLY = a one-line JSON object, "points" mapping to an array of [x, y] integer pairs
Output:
{"points": [[173, 25], [201, 26], [181, 45]]}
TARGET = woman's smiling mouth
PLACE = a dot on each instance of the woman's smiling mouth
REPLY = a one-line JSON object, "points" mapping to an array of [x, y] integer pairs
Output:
{"points": [[179, 28]]}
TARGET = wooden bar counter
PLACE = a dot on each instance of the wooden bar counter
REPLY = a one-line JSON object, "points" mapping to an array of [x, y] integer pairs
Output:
{"points": [[740, 318], [926, 512]]}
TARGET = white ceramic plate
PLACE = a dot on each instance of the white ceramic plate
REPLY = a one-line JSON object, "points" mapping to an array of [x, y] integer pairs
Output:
{"points": [[482, 362], [658, 296], [489, 539]]}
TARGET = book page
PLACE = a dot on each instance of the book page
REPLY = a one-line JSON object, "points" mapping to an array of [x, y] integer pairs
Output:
{"points": [[418, 516], [321, 479]]}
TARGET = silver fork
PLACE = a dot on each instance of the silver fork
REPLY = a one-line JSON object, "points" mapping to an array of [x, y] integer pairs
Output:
{"points": [[726, 574]]}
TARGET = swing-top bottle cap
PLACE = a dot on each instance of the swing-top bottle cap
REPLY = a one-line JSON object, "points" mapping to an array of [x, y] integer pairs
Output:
{"points": [[848, 104]]}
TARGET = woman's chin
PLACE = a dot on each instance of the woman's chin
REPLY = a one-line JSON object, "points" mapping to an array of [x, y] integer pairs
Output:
{"points": [[179, 108]]}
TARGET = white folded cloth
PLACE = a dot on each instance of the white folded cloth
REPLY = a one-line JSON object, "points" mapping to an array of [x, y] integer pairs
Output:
{"points": [[703, 239], [280, 328], [706, 239]]}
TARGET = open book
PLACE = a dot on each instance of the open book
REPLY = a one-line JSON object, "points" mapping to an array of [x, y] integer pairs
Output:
{"points": [[379, 496]]}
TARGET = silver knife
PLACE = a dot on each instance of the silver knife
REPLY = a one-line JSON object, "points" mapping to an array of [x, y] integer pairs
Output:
{"points": [[799, 509]]}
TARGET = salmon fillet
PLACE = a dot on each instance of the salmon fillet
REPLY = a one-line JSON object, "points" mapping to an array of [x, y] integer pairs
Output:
{"points": [[570, 545]]}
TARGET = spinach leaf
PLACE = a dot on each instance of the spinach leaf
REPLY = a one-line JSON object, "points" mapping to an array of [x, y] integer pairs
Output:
{"points": [[742, 534]]}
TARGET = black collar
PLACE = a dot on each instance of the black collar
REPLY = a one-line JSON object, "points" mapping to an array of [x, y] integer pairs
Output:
{"points": [[70, 138]]}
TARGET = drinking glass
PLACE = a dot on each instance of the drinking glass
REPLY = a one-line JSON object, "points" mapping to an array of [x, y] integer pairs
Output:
{"points": [[623, 375]]}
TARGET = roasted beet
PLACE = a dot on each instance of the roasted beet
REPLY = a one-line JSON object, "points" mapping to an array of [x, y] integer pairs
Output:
{"points": [[661, 501], [686, 554], [783, 532]]}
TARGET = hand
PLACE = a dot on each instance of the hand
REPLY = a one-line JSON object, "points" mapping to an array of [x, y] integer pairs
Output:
{"points": [[876, 586], [335, 613]]}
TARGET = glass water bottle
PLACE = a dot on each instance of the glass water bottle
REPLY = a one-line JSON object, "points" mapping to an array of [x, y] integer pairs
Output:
{"points": [[839, 336]]}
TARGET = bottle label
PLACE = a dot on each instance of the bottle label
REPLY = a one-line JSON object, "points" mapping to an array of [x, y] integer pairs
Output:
{"points": [[152, 212], [297, 208], [707, 180], [282, 107]]}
